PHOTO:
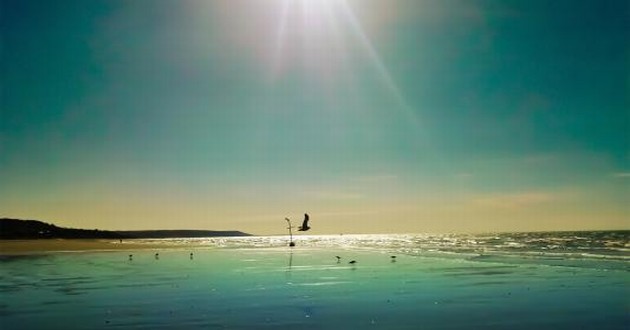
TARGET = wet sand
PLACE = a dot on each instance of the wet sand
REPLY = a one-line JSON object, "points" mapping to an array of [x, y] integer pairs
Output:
{"points": [[300, 288], [59, 245]]}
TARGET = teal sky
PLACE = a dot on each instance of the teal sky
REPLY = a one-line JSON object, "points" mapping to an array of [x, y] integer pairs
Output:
{"points": [[373, 116]]}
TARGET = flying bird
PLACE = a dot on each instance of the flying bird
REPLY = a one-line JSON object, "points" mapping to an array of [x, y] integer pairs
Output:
{"points": [[304, 226]]}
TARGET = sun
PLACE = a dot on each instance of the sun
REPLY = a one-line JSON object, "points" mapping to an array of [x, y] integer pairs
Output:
{"points": [[309, 30], [323, 42]]}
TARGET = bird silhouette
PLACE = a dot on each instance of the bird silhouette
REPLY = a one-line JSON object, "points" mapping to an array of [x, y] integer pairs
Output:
{"points": [[304, 226]]}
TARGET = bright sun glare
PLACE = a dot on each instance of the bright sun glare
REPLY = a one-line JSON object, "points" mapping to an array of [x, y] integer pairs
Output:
{"points": [[324, 32]]}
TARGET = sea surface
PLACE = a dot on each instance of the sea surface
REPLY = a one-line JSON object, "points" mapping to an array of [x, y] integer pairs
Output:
{"points": [[567, 280]]}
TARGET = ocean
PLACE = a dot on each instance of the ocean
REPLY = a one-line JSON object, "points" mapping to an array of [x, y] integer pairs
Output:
{"points": [[556, 280]]}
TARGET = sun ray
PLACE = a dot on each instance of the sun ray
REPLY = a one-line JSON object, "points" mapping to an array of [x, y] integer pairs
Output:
{"points": [[277, 58], [323, 32], [374, 57]]}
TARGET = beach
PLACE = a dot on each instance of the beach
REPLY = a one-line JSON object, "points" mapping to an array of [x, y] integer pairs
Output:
{"points": [[259, 282], [314, 164], [9, 247]]}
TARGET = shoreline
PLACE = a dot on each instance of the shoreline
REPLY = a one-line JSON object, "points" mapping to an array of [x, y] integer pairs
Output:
{"points": [[13, 247]]}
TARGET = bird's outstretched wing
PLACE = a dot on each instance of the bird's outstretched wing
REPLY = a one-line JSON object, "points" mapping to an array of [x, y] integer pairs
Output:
{"points": [[305, 226]]}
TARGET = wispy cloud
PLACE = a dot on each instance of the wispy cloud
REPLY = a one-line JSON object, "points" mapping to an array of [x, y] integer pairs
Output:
{"points": [[464, 175], [514, 200], [385, 177], [335, 195]]}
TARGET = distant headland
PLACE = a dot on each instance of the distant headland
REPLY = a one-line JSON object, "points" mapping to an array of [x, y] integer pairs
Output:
{"points": [[34, 229]]}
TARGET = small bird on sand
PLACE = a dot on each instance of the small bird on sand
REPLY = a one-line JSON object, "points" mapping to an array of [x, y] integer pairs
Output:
{"points": [[131, 257], [304, 226], [393, 258], [338, 259], [352, 262], [157, 256], [191, 255]]}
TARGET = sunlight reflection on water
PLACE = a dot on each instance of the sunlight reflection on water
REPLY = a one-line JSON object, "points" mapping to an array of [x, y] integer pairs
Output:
{"points": [[435, 281], [597, 249]]}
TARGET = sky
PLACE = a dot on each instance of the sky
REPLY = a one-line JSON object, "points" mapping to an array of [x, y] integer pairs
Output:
{"points": [[398, 116]]}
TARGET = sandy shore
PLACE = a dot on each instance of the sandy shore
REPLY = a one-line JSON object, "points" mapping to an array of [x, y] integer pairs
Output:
{"points": [[57, 245]]}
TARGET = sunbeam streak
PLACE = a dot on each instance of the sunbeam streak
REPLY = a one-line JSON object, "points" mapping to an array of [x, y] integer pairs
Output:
{"points": [[374, 57], [277, 58], [319, 37]]}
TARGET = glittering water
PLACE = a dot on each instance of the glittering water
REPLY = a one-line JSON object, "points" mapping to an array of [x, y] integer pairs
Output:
{"points": [[515, 281]]}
